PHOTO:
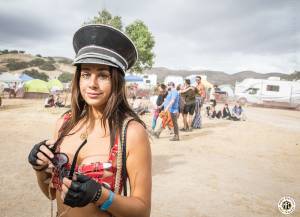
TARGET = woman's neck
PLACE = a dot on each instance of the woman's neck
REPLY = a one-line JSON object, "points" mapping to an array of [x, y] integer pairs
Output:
{"points": [[95, 113], [94, 119]]}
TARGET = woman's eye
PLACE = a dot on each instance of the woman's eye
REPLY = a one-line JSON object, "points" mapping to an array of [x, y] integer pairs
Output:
{"points": [[85, 75], [103, 77]]}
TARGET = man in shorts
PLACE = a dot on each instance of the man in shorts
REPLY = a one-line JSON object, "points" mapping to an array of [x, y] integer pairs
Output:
{"points": [[189, 95]]}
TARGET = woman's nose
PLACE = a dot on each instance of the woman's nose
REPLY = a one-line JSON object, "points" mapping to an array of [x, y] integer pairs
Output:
{"points": [[93, 82]]}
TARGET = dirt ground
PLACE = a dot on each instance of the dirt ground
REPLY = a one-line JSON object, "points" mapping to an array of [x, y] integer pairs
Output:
{"points": [[226, 169]]}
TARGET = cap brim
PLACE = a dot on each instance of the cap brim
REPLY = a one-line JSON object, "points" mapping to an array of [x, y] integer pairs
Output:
{"points": [[93, 60]]}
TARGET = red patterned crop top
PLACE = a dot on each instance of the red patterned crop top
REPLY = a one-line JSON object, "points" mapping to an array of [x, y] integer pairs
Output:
{"points": [[94, 170]]}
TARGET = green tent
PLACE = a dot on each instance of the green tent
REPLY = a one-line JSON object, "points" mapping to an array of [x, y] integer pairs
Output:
{"points": [[36, 86], [55, 84]]}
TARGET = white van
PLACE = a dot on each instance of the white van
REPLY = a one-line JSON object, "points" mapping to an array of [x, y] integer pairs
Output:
{"points": [[272, 92]]}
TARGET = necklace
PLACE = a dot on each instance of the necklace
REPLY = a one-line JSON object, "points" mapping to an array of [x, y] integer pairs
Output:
{"points": [[84, 135]]}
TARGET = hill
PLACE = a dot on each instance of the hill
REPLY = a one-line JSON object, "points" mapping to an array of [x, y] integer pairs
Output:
{"points": [[219, 77], [17, 62]]}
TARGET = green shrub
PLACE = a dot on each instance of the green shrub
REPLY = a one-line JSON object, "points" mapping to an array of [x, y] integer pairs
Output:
{"points": [[17, 65], [47, 66], [65, 77], [65, 61], [37, 62], [51, 60]]}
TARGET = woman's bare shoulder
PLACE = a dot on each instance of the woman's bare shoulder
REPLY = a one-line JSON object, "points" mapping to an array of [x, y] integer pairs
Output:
{"points": [[60, 121], [136, 134]]}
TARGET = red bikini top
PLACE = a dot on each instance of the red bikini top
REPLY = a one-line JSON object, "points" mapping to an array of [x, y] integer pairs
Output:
{"points": [[94, 170]]}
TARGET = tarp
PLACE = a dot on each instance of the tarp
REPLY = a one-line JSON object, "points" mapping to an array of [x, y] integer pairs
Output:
{"points": [[55, 84], [25, 77], [207, 84], [36, 86], [133, 78], [9, 78]]}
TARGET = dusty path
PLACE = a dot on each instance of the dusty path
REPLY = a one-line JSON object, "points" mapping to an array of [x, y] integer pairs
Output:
{"points": [[226, 169]]}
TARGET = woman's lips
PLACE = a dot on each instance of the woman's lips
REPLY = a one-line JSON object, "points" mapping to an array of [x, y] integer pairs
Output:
{"points": [[93, 95]]}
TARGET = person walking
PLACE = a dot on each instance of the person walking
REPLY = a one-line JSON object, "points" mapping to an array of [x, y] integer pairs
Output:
{"points": [[171, 105]]}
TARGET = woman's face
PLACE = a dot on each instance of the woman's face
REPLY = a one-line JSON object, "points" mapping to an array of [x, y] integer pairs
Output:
{"points": [[161, 91], [95, 84]]}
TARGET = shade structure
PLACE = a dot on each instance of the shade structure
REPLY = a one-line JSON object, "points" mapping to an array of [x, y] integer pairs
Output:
{"points": [[9, 78], [204, 81], [55, 84], [133, 78], [36, 86]]}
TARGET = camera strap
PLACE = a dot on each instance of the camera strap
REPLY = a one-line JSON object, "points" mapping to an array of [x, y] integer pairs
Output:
{"points": [[72, 169]]}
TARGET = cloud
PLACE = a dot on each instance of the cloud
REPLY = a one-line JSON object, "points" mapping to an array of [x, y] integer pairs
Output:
{"points": [[226, 35]]}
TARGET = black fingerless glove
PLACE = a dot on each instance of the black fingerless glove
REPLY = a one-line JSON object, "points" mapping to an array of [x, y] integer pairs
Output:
{"points": [[32, 157], [83, 191]]}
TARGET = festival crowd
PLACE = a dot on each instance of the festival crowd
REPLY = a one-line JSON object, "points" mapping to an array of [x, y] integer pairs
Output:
{"points": [[187, 100]]}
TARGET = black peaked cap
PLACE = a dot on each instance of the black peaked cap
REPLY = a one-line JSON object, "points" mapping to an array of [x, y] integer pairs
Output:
{"points": [[102, 44]]}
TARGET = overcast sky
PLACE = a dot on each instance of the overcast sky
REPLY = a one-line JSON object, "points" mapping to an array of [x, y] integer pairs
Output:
{"points": [[226, 35]]}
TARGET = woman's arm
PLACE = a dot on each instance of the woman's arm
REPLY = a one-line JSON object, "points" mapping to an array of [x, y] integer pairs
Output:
{"points": [[187, 89], [44, 177], [139, 173]]}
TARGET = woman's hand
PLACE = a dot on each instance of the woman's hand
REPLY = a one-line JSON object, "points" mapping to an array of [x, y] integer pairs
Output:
{"points": [[81, 191], [40, 155]]}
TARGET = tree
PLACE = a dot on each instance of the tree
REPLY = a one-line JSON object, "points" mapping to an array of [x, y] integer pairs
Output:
{"points": [[65, 77], [144, 42], [138, 32], [105, 17]]}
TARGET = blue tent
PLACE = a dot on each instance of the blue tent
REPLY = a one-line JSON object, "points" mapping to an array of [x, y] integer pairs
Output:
{"points": [[133, 78], [25, 77]]}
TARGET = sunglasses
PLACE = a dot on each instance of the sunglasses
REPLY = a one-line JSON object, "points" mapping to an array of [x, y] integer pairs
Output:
{"points": [[59, 161]]}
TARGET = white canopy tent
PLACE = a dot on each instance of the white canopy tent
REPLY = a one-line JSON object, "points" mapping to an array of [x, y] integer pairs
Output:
{"points": [[9, 78]]}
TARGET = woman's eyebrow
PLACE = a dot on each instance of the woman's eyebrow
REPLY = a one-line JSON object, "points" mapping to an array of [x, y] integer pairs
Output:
{"points": [[85, 68], [103, 69]]}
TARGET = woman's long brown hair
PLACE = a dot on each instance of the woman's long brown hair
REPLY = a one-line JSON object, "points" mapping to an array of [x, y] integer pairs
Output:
{"points": [[115, 111]]}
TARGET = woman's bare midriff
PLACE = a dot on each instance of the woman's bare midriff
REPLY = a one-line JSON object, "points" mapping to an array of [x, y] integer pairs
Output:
{"points": [[88, 211]]}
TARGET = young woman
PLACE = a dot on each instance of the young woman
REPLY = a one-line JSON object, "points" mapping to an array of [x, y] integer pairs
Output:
{"points": [[88, 158]]}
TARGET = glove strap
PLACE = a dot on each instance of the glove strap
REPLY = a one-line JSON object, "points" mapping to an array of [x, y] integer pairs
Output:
{"points": [[98, 195]]}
